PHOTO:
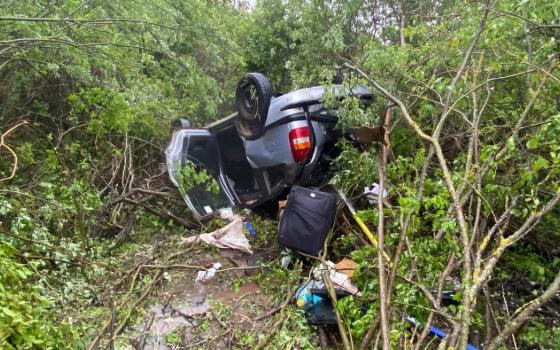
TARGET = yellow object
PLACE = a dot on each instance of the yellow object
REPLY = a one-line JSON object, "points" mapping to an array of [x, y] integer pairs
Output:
{"points": [[369, 235], [362, 225], [300, 303]]}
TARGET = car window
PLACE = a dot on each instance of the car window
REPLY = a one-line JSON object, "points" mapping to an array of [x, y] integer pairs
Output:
{"points": [[198, 149], [203, 152]]}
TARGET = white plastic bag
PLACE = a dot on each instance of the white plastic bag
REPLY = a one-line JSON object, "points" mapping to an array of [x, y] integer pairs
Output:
{"points": [[206, 275], [372, 193], [228, 237]]}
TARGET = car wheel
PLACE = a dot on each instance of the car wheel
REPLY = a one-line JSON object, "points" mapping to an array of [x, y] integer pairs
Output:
{"points": [[180, 123], [252, 98]]}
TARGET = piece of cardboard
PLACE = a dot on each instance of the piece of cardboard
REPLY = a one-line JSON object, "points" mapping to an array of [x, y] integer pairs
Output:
{"points": [[346, 266]]}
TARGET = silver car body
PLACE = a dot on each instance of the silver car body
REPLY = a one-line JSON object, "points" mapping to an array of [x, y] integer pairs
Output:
{"points": [[268, 158]]}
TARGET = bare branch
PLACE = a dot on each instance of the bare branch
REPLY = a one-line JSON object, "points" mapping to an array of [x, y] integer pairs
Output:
{"points": [[97, 21], [466, 58], [10, 150], [480, 277], [383, 294], [527, 311]]}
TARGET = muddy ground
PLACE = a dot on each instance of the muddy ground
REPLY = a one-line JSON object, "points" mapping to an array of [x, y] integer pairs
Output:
{"points": [[232, 310]]}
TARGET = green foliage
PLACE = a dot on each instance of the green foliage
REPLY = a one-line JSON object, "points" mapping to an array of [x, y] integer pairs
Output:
{"points": [[356, 168], [539, 270], [268, 36], [105, 111], [98, 92], [540, 335], [294, 332], [27, 316], [174, 338], [188, 176]]}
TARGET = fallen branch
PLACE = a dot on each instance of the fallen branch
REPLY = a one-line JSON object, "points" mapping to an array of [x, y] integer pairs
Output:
{"points": [[10, 150], [218, 319], [123, 323], [278, 322], [138, 301], [161, 212], [268, 313]]}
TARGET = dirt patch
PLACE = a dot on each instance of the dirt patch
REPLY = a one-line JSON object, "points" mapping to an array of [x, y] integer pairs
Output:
{"points": [[196, 315]]}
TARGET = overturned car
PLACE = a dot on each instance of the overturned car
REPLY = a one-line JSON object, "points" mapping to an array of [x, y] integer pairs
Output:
{"points": [[254, 155]]}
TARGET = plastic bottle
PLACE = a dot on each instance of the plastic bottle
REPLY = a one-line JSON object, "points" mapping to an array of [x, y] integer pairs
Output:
{"points": [[304, 299]]}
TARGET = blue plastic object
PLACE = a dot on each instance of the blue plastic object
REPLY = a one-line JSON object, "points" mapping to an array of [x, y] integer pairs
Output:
{"points": [[250, 228], [305, 300], [436, 331]]}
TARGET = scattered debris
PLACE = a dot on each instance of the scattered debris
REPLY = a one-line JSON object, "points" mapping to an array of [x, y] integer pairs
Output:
{"points": [[346, 266], [322, 312], [192, 310], [313, 298], [367, 135], [229, 236], [206, 275], [305, 300], [372, 193], [176, 316], [281, 206], [339, 279], [285, 261], [250, 229], [434, 331], [255, 260]]}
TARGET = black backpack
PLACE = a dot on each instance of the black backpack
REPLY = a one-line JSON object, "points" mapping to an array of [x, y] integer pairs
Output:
{"points": [[307, 219]]}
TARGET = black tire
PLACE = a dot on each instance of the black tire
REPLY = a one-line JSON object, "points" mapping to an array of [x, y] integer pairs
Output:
{"points": [[180, 123], [252, 98]]}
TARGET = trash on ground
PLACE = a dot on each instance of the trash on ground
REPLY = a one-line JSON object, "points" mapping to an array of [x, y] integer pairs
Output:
{"points": [[163, 323], [285, 261], [229, 236], [313, 298], [227, 213], [256, 260], [177, 315], [346, 266], [206, 275], [305, 300], [250, 229], [372, 193], [339, 279], [434, 331], [307, 219], [192, 310]]}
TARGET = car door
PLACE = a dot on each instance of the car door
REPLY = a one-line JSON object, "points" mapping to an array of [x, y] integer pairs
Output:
{"points": [[198, 148]]}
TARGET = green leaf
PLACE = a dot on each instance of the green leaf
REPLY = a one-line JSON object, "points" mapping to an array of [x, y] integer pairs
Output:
{"points": [[533, 143], [540, 163], [510, 144]]}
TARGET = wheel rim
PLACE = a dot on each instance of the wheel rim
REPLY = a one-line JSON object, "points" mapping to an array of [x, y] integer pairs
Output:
{"points": [[250, 101]]}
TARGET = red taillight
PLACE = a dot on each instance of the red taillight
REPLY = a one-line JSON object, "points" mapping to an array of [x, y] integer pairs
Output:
{"points": [[300, 143]]}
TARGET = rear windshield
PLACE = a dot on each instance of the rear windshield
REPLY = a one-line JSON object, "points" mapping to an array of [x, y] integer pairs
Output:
{"points": [[203, 152]]}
